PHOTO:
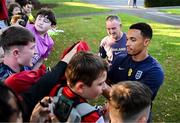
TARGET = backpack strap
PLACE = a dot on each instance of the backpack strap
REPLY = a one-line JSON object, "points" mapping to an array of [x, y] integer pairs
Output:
{"points": [[60, 91], [81, 109], [55, 90], [84, 109]]}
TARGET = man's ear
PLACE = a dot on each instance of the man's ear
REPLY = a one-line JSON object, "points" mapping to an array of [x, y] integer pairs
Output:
{"points": [[142, 119], [79, 87], [15, 52], [146, 42]]}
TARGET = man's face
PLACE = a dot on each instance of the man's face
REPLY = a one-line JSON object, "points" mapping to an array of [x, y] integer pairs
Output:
{"points": [[42, 24], [96, 88], [26, 53], [28, 8], [136, 43], [113, 29]]}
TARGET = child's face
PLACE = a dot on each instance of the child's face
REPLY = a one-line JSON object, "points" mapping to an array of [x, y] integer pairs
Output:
{"points": [[16, 11], [26, 53], [42, 24], [96, 88]]}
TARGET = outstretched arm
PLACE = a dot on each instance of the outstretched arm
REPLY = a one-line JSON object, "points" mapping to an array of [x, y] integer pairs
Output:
{"points": [[44, 85]]}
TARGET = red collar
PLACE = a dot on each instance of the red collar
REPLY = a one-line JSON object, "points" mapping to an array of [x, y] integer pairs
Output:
{"points": [[72, 95]]}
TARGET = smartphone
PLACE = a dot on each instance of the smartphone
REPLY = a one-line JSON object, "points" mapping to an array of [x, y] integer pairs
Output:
{"points": [[63, 108]]}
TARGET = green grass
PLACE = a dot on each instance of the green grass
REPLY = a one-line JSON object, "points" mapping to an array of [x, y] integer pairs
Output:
{"points": [[171, 11], [165, 47], [72, 7]]}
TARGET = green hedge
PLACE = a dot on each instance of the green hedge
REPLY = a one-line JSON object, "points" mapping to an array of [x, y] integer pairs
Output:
{"points": [[159, 3]]}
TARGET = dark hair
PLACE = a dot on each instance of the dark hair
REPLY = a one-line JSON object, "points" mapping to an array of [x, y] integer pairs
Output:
{"points": [[85, 67], [47, 12], [23, 2], [15, 35], [6, 110], [145, 29], [11, 8], [130, 98]]}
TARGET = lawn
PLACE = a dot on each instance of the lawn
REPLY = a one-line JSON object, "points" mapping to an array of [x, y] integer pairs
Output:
{"points": [[171, 11], [165, 47], [72, 7]]}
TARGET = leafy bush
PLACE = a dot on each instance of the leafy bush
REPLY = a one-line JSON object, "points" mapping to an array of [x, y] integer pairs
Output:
{"points": [[159, 3]]}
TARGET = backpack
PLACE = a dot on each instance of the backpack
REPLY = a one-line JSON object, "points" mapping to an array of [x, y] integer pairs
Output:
{"points": [[67, 110]]}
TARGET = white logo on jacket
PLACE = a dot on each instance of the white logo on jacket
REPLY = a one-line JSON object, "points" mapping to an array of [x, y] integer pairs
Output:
{"points": [[138, 74]]}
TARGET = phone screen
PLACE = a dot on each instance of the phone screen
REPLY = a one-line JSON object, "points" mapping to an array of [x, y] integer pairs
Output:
{"points": [[63, 108]]}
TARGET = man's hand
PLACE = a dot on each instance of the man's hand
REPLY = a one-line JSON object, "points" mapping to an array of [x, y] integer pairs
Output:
{"points": [[42, 113]]}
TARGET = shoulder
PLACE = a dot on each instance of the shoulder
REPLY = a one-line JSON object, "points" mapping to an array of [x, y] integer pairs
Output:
{"points": [[124, 37], [154, 69], [5, 72], [104, 41], [153, 74], [124, 34], [3, 67], [154, 63]]}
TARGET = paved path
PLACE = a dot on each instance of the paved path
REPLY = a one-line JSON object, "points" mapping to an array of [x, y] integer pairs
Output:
{"points": [[149, 13], [114, 4]]}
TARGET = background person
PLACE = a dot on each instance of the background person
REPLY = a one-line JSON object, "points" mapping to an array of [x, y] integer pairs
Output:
{"points": [[45, 20], [18, 44], [3, 14], [134, 3], [115, 43], [27, 8]]}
